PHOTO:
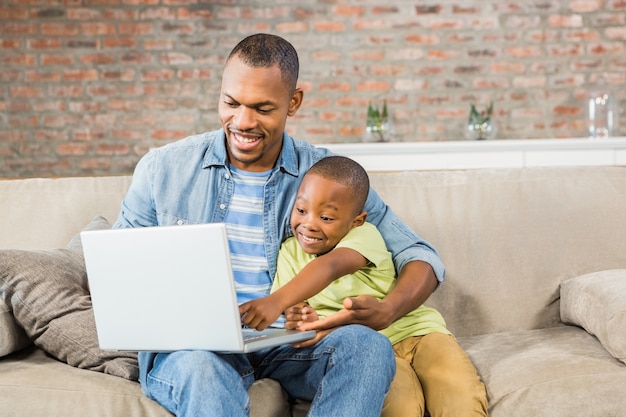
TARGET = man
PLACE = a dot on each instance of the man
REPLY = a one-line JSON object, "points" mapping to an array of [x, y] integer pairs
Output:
{"points": [[246, 175]]}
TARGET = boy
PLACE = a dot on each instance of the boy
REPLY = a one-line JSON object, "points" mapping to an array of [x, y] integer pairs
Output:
{"points": [[334, 255]]}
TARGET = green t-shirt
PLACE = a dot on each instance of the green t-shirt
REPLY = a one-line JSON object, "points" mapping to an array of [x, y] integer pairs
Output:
{"points": [[377, 278]]}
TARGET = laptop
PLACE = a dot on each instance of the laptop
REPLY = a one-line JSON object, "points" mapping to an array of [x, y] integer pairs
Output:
{"points": [[169, 288]]}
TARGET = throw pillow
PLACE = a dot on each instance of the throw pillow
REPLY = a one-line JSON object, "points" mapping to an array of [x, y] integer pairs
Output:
{"points": [[597, 303], [12, 336], [46, 291], [97, 223]]}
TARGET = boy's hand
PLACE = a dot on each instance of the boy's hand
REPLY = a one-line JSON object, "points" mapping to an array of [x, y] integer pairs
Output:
{"points": [[299, 314], [259, 314]]}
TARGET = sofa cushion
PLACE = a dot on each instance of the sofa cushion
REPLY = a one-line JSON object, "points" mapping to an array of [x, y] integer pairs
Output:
{"points": [[40, 213], [597, 303], [496, 281], [46, 290], [34, 384], [554, 372]]}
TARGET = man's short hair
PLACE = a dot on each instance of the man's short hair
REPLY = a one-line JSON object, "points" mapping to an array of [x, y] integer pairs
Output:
{"points": [[264, 50], [347, 172]]}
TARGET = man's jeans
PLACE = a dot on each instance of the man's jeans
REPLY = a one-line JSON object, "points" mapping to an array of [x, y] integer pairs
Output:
{"points": [[346, 374]]}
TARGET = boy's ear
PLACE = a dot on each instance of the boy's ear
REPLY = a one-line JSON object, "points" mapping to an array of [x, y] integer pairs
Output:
{"points": [[360, 219]]}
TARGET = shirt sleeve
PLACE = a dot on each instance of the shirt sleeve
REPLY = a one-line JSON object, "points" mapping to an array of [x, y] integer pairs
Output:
{"points": [[367, 241], [137, 207], [403, 243], [289, 262]]}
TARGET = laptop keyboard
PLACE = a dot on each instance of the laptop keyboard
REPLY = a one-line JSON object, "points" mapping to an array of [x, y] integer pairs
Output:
{"points": [[253, 335]]}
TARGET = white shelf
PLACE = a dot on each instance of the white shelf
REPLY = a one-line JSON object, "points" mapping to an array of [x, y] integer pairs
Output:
{"points": [[402, 156]]}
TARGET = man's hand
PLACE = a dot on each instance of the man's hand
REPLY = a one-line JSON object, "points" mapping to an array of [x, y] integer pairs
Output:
{"points": [[364, 309], [318, 336]]}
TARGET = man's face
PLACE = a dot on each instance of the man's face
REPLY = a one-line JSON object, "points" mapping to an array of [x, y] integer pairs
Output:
{"points": [[323, 213], [253, 109]]}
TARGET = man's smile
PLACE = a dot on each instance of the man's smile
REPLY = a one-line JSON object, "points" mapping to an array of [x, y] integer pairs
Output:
{"points": [[245, 139]]}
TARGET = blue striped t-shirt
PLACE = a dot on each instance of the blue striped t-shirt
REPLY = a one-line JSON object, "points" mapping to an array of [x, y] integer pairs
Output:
{"points": [[244, 225]]}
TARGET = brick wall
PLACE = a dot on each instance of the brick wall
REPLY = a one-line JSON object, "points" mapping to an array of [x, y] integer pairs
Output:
{"points": [[87, 86]]}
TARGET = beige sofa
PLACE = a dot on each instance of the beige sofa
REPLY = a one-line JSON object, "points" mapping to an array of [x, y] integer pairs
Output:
{"points": [[535, 290]]}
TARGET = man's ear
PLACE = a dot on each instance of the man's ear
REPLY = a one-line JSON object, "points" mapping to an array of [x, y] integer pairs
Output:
{"points": [[360, 219], [296, 102]]}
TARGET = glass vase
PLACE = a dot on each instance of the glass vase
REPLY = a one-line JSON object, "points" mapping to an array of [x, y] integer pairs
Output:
{"points": [[378, 133], [480, 131]]}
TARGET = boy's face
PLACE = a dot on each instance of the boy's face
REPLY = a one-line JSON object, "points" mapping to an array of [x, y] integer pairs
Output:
{"points": [[323, 213]]}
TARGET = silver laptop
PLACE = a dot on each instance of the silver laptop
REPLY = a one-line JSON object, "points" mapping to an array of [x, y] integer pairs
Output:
{"points": [[169, 288]]}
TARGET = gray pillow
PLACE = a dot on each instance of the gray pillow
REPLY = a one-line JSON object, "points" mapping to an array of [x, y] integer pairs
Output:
{"points": [[597, 303], [97, 223], [46, 291], [12, 336]]}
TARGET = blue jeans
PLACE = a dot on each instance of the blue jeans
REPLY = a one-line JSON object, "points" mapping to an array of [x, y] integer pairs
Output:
{"points": [[346, 374]]}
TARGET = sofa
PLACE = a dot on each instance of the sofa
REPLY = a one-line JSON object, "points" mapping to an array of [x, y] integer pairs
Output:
{"points": [[535, 290]]}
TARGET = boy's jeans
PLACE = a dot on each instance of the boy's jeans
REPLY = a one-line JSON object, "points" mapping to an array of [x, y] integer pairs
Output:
{"points": [[346, 374]]}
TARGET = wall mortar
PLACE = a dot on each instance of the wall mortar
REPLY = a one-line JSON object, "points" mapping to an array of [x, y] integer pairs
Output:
{"points": [[88, 86]]}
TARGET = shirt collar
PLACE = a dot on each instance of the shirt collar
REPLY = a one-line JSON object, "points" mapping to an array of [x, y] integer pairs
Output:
{"points": [[216, 154]]}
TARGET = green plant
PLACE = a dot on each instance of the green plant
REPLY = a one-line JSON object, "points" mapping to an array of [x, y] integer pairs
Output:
{"points": [[480, 121], [377, 119]]}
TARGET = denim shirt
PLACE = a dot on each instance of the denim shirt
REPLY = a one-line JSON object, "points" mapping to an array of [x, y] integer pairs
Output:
{"points": [[189, 182]]}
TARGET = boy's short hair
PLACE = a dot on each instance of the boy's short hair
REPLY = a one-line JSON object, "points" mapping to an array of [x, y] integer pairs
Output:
{"points": [[263, 50], [347, 172]]}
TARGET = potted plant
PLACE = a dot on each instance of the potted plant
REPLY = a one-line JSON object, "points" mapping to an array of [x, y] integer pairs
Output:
{"points": [[479, 124], [377, 122]]}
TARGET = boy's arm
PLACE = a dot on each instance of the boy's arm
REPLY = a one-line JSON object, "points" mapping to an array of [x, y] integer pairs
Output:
{"points": [[313, 278]]}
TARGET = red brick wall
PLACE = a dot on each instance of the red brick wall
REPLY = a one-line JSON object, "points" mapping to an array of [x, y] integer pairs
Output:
{"points": [[87, 86]]}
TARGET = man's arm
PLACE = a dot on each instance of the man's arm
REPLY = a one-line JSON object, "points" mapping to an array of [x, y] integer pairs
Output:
{"points": [[137, 207], [415, 284]]}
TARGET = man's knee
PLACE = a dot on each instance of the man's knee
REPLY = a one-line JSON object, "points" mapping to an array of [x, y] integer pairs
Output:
{"points": [[184, 381], [375, 353], [363, 339]]}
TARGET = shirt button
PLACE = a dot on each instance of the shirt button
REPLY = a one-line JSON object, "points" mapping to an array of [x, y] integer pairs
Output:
{"points": [[227, 176], [179, 222], [222, 206]]}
